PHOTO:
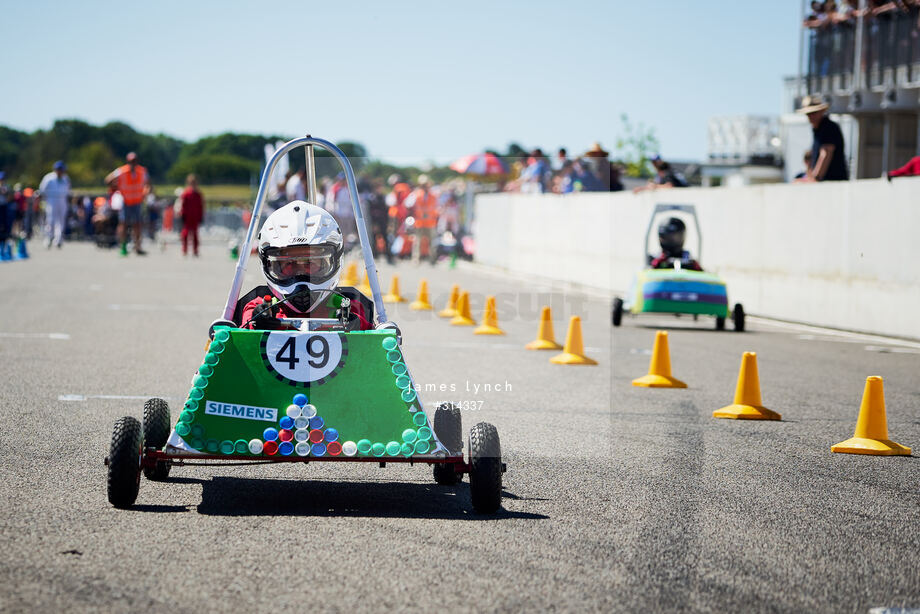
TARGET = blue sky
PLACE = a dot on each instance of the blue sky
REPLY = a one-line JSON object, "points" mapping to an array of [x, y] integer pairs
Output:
{"points": [[410, 80]]}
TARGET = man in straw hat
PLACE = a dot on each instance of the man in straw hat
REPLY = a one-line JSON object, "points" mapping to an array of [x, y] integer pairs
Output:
{"points": [[828, 162]]}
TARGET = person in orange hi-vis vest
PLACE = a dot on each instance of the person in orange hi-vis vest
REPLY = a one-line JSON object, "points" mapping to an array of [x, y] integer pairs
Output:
{"points": [[133, 182], [424, 205]]}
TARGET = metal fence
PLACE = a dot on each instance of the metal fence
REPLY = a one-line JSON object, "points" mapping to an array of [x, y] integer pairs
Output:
{"points": [[888, 53]]}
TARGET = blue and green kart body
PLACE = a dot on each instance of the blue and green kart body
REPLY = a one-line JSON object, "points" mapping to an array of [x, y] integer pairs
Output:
{"points": [[678, 291]]}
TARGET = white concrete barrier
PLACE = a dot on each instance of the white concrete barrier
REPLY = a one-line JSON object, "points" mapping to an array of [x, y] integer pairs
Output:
{"points": [[844, 255]]}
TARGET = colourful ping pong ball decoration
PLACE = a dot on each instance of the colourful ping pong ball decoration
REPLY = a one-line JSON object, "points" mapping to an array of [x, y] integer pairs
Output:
{"points": [[255, 446], [402, 382], [241, 446], [364, 446], [270, 448], [286, 435], [211, 359], [195, 394], [393, 356], [300, 399], [334, 448], [406, 449], [294, 411], [197, 444], [301, 422], [212, 445], [285, 448], [317, 422], [226, 447], [318, 449], [206, 370], [389, 343], [301, 434], [349, 448], [302, 448], [222, 335], [408, 395], [270, 434], [216, 347], [422, 446], [316, 436], [399, 369], [393, 448], [409, 435], [378, 449], [183, 429], [424, 433], [186, 416], [287, 422], [330, 435], [309, 411], [419, 418]]}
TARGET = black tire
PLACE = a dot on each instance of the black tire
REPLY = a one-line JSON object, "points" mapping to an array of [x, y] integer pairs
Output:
{"points": [[156, 432], [485, 469], [738, 318], [448, 428], [617, 311], [125, 462], [720, 323]]}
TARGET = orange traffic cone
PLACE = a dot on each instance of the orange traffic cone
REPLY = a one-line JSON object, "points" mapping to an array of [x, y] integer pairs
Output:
{"points": [[574, 351], [365, 287], [393, 295], [489, 320], [659, 369], [351, 275], [747, 405], [871, 435], [421, 301], [451, 309], [545, 340], [463, 317]]}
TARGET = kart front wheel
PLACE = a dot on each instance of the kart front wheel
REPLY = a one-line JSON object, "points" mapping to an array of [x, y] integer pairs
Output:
{"points": [[124, 475], [156, 432], [738, 318], [720, 323], [485, 468], [617, 311]]}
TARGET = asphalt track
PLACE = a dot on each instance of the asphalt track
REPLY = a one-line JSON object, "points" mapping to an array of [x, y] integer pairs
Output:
{"points": [[616, 498]]}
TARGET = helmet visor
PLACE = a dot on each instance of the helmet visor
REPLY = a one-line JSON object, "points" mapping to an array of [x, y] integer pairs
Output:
{"points": [[307, 263]]}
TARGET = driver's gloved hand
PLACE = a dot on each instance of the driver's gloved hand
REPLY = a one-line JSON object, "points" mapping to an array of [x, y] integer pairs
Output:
{"points": [[263, 316]]}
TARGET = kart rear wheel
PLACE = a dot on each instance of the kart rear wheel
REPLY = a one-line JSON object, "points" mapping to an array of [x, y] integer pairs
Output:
{"points": [[156, 432], [738, 318], [617, 311], [720, 323], [125, 451], [485, 468], [449, 430]]}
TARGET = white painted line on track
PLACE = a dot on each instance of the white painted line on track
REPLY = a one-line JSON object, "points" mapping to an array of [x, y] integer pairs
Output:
{"points": [[58, 336], [142, 307], [813, 333], [116, 397]]}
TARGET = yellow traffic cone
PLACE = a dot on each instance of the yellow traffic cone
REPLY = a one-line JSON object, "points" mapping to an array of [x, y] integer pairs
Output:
{"points": [[574, 351], [545, 340], [351, 275], [421, 301], [871, 436], [393, 295], [463, 317], [659, 369], [365, 287], [489, 320], [747, 405], [451, 309]]}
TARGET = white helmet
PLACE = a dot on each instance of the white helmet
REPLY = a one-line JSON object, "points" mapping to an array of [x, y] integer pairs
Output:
{"points": [[301, 248]]}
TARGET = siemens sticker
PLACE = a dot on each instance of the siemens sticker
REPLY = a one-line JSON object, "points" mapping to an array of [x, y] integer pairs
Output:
{"points": [[231, 410]]}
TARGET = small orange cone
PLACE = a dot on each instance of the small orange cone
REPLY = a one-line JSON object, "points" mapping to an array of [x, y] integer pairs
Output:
{"points": [[463, 317], [574, 351], [659, 369], [365, 287], [545, 340], [351, 275], [421, 301], [747, 405], [489, 320], [451, 309], [393, 295], [871, 436]]}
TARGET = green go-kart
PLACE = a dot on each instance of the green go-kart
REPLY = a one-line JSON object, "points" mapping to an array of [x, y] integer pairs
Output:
{"points": [[314, 391]]}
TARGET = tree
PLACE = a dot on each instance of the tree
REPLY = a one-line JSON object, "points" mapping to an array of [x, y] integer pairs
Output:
{"points": [[635, 147]]}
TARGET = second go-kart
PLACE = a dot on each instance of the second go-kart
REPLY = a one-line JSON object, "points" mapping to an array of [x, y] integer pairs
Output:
{"points": [[673, 282], [312, 390]]}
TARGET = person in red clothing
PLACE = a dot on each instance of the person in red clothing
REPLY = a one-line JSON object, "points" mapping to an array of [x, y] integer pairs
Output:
{"points": [[301, 249], [911, 169], [192, 211]]}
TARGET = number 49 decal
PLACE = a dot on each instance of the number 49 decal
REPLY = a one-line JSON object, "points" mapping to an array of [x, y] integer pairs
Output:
{"points": [[302, 357]]}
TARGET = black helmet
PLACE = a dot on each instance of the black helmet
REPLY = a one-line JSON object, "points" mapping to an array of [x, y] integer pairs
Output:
{"points": [[671, 237]]}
